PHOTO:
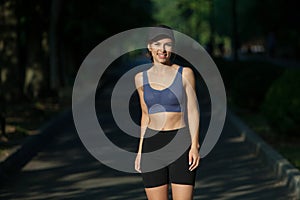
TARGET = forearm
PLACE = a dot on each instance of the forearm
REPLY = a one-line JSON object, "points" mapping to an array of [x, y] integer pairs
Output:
{"points": [[192, 107], [144, 125], [193, 120]]}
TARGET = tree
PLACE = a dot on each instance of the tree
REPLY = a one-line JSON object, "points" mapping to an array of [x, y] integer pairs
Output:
{"points": [[191, 17], [235, 38], [56, 6]]}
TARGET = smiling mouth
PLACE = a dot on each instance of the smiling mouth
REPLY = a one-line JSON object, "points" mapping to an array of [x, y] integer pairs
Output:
{"points": [[162, 55]]}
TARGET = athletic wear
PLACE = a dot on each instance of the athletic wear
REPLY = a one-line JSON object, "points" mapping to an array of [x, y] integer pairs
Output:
{"points": [[176, 172], [169, 99]]}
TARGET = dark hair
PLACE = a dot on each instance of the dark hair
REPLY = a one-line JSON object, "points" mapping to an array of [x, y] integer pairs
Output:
{"points": [[159, 32]]}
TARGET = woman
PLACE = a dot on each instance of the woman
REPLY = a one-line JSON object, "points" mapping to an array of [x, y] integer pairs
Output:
{"points": [[169, 106]]}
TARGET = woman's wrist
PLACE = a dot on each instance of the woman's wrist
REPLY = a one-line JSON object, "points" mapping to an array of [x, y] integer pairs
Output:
{"points": [[195, 146]]}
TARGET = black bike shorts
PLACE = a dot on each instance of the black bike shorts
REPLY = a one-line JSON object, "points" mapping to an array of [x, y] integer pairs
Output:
{"points": [[171, 172]]}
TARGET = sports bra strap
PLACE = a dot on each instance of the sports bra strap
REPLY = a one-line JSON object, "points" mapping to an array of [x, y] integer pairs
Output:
{"points": [[180, 69], [145, 78]]}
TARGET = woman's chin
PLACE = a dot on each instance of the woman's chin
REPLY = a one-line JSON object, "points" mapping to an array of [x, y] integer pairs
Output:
{"points": [[163, 61]]}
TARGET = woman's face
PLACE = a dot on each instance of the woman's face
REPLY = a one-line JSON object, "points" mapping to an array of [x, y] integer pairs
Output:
{"points": [[161, 50]]}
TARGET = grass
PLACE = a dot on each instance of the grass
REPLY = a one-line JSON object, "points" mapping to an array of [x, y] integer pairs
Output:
{"points": [[292, 153]]}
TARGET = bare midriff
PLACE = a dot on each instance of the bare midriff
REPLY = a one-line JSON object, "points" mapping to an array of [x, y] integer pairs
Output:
{"points": [[166, 121]]}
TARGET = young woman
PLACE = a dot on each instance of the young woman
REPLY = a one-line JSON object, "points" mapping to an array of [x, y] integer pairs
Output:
{"points": [[169, 107]]}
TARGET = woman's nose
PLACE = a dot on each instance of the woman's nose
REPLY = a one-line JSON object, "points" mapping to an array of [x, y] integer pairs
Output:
{"points": [[162, 47]]}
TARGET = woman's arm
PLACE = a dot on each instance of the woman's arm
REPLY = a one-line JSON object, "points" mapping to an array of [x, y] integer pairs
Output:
{"points": [[144, 118], [193, 116]]}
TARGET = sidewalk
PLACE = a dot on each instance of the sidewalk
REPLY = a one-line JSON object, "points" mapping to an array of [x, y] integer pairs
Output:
{"points": [[65, 170]]}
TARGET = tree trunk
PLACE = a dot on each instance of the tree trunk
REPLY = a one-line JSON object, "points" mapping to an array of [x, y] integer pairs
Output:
{"points": [[235, 39], [34, 75], [212, 26], [21, 45], [53, 43]]}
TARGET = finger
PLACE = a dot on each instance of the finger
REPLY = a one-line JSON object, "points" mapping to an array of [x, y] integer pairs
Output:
{"points": [[192, 167], [137, 166], [190, 159], [194, 164]]}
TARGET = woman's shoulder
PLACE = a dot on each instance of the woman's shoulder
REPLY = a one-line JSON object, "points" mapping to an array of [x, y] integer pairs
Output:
{"points": [[188, 76], [186, 71], [138, 79], [138, 75], [176, 66]]}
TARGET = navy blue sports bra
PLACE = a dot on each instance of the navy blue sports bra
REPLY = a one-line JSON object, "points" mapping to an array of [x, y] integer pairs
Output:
{"points": [[169, 99]]}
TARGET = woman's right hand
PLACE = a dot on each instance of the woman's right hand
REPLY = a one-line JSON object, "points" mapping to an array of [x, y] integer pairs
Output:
{"points": [[138, 162]]}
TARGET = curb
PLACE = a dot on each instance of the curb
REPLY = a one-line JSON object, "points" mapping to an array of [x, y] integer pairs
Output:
{"points": [[284, 170], [33, 145]]}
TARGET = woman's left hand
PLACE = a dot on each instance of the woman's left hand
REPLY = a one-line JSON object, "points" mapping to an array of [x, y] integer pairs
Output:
{"points": [[194, 158]]}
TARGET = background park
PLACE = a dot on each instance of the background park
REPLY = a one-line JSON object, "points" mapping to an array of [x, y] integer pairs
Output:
{"points": [[254, 43]]}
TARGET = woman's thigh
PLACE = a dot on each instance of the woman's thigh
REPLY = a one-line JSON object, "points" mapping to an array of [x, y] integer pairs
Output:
{"points": [[157, 193], [182, 192]]}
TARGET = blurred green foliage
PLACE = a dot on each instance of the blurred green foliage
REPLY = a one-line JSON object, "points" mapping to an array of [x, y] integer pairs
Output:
{"points": [[292, 153], [247, 82], [191, 17], [251, 84], [282, 103], [36, 34], [264, 89], [25, 29], [209, 20]]}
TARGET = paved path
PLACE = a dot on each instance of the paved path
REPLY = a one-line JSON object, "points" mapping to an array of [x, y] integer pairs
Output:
{"points": [[65, 170]]}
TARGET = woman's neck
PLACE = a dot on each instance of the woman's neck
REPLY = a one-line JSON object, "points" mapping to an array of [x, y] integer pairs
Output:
{"points": [[160, 68], [167, 62]]}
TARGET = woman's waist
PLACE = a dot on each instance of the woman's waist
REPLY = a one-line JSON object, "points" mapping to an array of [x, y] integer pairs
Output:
{"points": [[155, 139], [166, 121], [152, 131]]}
